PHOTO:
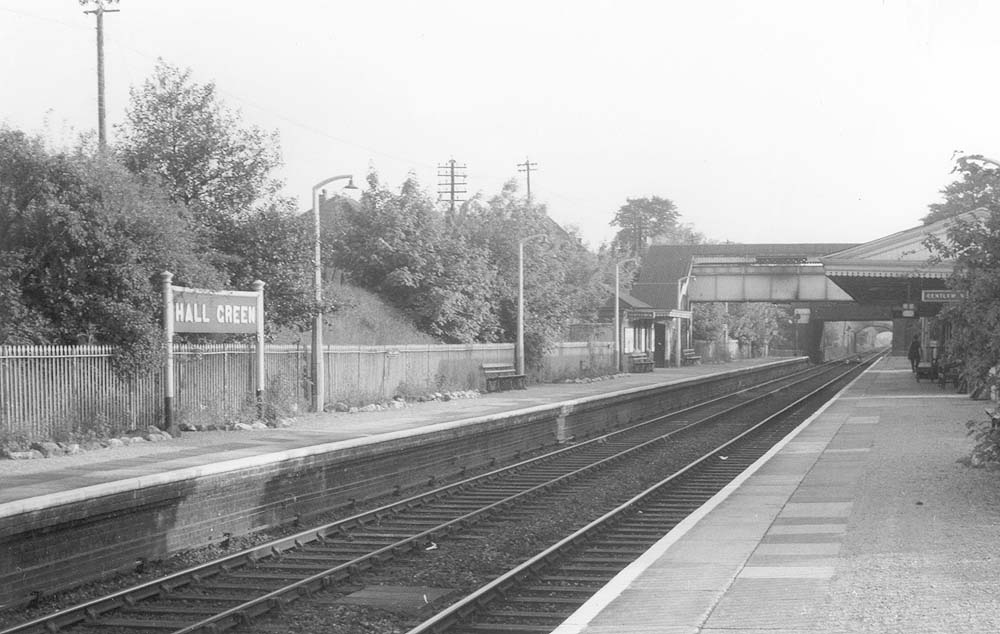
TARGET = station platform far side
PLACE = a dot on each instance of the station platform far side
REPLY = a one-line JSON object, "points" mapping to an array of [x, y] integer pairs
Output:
{"points": [[29, 484]]}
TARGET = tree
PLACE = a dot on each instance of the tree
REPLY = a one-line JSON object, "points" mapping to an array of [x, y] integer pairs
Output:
{"points": [[399, 245], [680, 233], [974, 245], [708, 321], [562, 280], [83, 244], [219, 171], [275, 245], [205, 156], [457, 277], [755, 324], [641, 219], [978, 187]]}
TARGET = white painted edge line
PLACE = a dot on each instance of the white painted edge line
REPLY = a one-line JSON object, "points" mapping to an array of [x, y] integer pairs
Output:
{"points": [[187, 473], [581, 618], [48, 500], [901, 397]]}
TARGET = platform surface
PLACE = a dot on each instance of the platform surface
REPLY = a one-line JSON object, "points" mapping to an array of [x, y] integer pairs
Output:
{"points": [[31, 484], [865, 521]]}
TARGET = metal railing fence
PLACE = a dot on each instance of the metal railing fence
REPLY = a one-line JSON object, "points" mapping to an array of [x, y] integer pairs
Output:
{"points": [[55, 391], [70, 392]]}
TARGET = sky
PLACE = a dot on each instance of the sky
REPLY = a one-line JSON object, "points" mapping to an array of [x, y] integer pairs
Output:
{"points": [[765, 121]]}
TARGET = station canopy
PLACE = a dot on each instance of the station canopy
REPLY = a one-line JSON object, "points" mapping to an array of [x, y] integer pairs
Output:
{"points": [[887, 272]]}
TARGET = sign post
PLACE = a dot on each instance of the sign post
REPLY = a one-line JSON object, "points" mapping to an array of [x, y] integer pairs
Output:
{"points": [[168, 375], [203, 311], [258, 288]]}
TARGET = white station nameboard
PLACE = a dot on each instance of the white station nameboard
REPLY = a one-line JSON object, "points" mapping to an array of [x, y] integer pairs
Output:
{"points": [[195, 310]]}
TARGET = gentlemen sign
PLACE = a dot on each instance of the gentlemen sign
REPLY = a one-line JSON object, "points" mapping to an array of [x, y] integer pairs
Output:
{"points": [[941, 296], [219, 311]]}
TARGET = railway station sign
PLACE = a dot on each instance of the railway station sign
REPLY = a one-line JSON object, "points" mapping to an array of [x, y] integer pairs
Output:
{"points": [[941, 296], [195, 310]]}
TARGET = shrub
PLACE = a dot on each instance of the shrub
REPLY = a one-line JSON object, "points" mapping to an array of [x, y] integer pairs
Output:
{"points": [[986, 451]]}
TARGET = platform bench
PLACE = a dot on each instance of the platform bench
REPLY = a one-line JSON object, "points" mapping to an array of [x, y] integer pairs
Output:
{"points": [[639, 362], [690, 356], [501, 377]]}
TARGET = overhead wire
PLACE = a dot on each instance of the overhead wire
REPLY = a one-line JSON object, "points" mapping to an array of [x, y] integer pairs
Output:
{"points": [[123, 43]]}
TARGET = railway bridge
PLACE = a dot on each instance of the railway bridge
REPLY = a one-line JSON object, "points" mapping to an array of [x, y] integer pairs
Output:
{"points": [[891, 279]]}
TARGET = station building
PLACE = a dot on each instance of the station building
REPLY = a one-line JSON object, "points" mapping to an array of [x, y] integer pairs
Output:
{"points": [[891, 282]]}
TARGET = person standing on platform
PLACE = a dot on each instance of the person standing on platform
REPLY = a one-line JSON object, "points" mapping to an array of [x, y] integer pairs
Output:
{"points": [[914, 353]]}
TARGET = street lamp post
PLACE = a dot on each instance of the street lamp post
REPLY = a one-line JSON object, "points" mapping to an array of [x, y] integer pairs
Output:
{"points": [[319, 380], [618, 328], [519, 346]]}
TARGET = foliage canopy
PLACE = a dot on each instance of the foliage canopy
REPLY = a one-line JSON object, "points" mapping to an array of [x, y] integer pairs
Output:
{"points": [[973, 242], [641, 219], [219, 171], [457, 276], [978, 187], [83, 244], [202, 152]]}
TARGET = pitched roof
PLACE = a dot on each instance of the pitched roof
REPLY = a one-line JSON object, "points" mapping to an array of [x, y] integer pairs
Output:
{"points": [[625, 302], [902, 254]]}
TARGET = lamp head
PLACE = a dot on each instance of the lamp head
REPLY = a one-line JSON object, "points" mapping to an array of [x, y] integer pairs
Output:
{"points": [[350, 184]]}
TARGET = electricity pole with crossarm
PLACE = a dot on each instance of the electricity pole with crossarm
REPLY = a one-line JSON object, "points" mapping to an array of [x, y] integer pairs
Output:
{"points": [[526, 167], [99, 10]]}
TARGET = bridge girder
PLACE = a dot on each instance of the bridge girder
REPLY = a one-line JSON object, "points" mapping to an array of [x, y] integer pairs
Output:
{"points": [[763, 283]]}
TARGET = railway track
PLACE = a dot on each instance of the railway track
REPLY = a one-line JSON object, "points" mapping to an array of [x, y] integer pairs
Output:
{"points": [[236, 590], [542, 592]]}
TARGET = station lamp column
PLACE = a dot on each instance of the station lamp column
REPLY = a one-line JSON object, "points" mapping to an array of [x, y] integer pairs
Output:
{"points": [[318, 375], [519, 346], [618, 328]]}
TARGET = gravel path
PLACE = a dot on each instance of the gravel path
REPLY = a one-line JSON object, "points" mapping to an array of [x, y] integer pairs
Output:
{"points": [[922, 552]]}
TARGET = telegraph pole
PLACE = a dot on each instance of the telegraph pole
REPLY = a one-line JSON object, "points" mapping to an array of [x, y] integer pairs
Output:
{"points": [[526, 167], [454, 184], [99, 11]]}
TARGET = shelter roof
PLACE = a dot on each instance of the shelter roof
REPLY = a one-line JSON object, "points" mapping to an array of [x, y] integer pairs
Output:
{"points": [[625, 302]]}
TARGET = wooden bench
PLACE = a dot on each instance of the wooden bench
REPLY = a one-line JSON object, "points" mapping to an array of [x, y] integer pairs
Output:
{"points": [[639, 362], [690, 356], [502, 376]]}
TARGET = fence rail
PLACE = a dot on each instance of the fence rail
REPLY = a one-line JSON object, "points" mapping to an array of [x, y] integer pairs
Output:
{"points": [[64, 392]]}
